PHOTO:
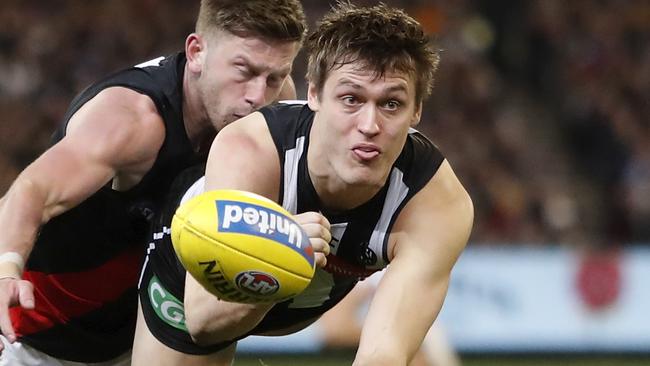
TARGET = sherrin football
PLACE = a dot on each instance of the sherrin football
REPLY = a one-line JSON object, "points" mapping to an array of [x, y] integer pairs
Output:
{"points": [[242, 247]]}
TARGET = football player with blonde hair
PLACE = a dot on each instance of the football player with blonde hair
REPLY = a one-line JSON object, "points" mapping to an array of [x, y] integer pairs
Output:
{"points": [[75, 221]]}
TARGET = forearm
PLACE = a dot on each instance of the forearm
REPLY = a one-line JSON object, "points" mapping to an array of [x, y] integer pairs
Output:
{"points": [[210, 320], [224, 322], [381, 358], [21, 215], [387, 348]]}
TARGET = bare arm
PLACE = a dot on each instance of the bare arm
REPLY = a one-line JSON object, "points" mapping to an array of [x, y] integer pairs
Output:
{"points": [[117, 133], [244, 157], [426, 241]]}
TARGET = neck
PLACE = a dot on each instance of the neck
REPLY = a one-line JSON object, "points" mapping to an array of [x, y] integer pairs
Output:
{"points": [[337, 196], [195, 118]]}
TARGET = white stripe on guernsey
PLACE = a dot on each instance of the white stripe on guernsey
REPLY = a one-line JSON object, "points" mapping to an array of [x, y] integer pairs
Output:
{"points": [[291, 159], [397, 192], [154, 62], [292, 101], [195, 190], [152, 246]]}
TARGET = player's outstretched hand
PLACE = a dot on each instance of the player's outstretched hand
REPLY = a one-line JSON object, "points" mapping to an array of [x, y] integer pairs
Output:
{"points": [[13, 292], [318, 228]]}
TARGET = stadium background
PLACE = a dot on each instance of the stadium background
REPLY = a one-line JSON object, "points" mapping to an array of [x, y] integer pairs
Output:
{"points": [[541, 106]]}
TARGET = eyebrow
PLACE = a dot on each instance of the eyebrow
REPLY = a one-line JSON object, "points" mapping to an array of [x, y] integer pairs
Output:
{"points": [[258, 69], [394, 88], [347, 82]]}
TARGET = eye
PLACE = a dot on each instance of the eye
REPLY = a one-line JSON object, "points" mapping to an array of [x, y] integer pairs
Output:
{"points": [[349, 100], [244, 70], [392, 105], [275, 81]]}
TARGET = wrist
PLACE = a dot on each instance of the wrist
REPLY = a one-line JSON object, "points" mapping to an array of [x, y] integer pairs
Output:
{"points": [[11, 265]]}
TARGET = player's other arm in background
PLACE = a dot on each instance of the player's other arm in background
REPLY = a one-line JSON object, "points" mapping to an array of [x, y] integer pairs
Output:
{"points": [[254, 167], [426, 240], [117, 134]]}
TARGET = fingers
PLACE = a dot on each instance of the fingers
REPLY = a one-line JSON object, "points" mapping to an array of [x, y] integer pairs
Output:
{"points": [[13, 292], [317, 228], [26, 294], [6, 296], [315, 225], [320, 259]]}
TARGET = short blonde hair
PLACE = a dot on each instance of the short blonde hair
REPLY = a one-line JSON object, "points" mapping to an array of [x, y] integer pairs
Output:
{"points": [[281, 20]]}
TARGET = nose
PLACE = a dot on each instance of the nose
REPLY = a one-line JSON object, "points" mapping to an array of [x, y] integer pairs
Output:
{"points": [[256, 92], [368, 123]]}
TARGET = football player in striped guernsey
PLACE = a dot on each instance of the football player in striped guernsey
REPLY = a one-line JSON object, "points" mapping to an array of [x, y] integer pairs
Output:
{"points": [[385, 194]]}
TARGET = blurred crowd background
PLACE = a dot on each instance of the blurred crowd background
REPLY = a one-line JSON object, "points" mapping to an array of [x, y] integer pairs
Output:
{"points": [[541, 106]]}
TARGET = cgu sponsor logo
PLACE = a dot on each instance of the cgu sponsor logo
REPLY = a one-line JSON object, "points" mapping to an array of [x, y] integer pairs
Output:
{"points": [[242, 218], [165, 305]]}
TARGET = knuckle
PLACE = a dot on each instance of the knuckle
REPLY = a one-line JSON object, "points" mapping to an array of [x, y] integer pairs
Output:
{"points": [[326, 249], [324, 221], [323, 233]]}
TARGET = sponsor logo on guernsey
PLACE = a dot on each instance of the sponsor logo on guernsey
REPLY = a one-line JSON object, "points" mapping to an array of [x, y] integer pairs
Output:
{"points": [[258, 283], [250, 219], [168, 308]]}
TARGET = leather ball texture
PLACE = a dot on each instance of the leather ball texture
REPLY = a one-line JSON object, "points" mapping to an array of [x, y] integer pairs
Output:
{"points": [[242, 247]]}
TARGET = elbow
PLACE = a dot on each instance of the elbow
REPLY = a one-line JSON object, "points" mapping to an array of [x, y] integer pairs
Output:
{"points": [[231, 322], [204, 335]]}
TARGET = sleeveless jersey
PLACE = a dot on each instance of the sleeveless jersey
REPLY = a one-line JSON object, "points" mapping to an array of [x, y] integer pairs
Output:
{"points": [[359, 236], [85, 262]]}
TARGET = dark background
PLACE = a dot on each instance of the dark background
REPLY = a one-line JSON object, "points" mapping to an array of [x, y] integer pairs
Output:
{"points": [[540, 106]]}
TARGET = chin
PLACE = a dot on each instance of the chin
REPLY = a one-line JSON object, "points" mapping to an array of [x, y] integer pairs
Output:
{"points": [[365, 179]]}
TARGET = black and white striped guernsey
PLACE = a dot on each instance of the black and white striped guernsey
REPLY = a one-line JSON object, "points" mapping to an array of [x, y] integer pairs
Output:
{"points": [[360, 236]]}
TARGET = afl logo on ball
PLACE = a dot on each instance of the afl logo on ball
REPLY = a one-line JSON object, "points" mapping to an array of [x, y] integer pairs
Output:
{"points": [[258, 283]]}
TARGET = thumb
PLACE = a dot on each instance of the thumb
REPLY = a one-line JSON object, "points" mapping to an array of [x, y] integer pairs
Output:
{"points": [[26, 294]]}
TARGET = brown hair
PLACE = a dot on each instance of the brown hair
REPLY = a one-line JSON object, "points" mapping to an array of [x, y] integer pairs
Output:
{"points": [[282, 20], [380, 37]]}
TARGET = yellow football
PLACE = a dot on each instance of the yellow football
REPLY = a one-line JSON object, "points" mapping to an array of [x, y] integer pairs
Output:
{"points": [[242, 247]]}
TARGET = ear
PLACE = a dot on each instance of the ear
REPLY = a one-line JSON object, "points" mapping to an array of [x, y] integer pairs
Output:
{"points": [[417, 115], [312, 97], [195, 50]]}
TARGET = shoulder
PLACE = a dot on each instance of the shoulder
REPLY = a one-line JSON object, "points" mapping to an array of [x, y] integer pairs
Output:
{"points": [[252, 162], [121, 122]]}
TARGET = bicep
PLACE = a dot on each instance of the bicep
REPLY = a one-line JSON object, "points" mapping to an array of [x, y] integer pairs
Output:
{"points": [[116, 131], [64, 176]]}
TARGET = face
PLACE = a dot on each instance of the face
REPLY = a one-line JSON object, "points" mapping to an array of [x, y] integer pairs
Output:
{"points": [[361, 123], [237, 75]]}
